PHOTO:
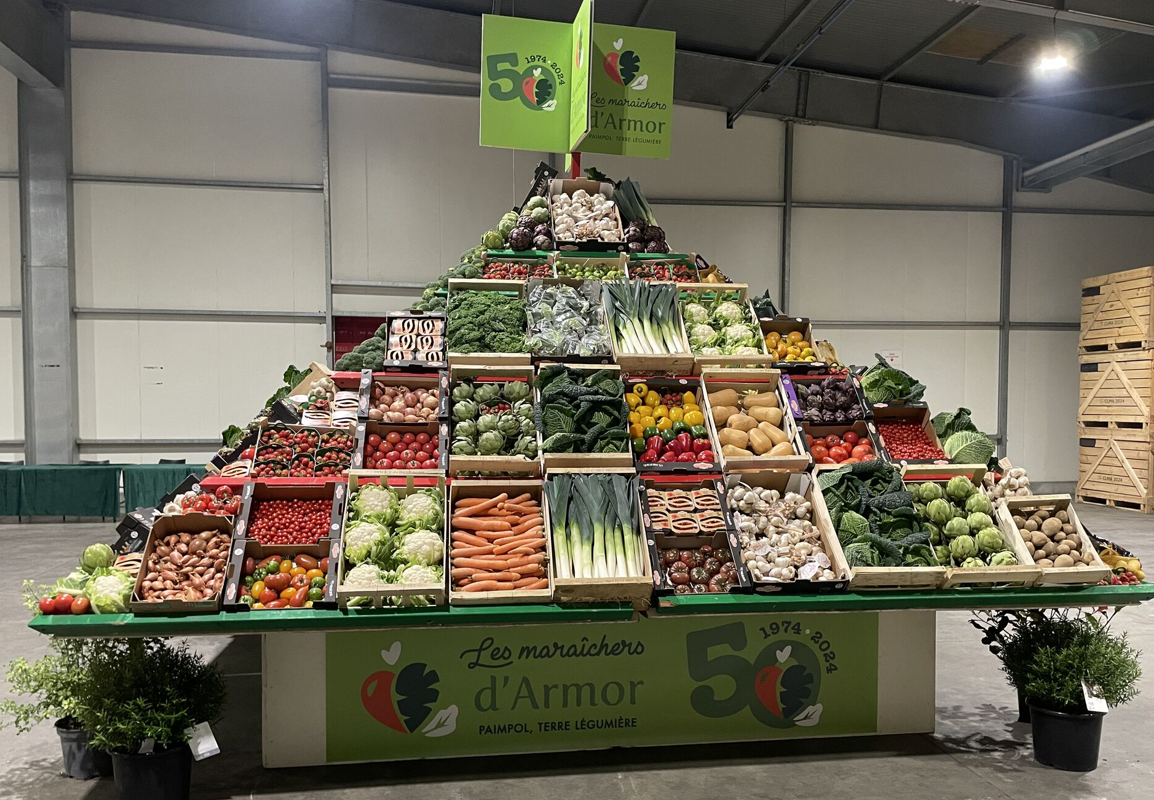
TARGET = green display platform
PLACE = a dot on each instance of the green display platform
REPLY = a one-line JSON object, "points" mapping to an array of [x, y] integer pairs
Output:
{"points": [[235, 624]]}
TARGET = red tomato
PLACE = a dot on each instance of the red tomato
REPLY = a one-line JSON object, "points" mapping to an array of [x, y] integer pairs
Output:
{"points": [[820, 451], [79, 605], [421, 456], [429, 464], [277, 604], [47, 605], [392, 437], [809, 440], [298, 599], [859, 452], [249, 566], [373, 440], [409, 438], [827, 460], [832, 440], [838, 454], [422, 438], [199, 505], [63, 604], [223, 492], [851, 438], [849, 461], [323, 566], [384, 447], [267, 596], [869, 457], [408, 455]]}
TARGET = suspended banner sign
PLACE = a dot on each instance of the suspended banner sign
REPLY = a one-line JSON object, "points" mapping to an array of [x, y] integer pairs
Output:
{"points": [[561, 87]]}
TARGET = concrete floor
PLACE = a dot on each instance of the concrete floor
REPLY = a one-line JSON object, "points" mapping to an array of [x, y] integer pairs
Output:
{"points": [[977, 753]]}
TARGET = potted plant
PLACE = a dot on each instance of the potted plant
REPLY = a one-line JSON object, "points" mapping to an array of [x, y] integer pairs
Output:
{"points": [[1011, 639], [139, 700], [50, 683]]}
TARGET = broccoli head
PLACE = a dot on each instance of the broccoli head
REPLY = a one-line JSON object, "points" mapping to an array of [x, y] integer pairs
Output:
{"points": [[374, 344], [374, 361], [350, 362]]}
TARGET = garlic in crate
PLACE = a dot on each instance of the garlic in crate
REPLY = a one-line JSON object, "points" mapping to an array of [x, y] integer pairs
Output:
{"points": [[1014, 483], [585, 216], [778, 541]]}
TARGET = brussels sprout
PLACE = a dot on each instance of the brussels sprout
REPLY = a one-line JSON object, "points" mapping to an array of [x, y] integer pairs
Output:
{"points": [[1003, 559], [990, 540], [939, 511], [956, 527], [979, 502], [963, 547], [959, 488], [978, 520]]}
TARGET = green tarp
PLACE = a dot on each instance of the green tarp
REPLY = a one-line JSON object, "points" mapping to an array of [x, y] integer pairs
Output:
{"points": [[145, 484]]}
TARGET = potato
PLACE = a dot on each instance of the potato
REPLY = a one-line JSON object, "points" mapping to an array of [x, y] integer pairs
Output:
{"points": [[1059, 536], [1050, 549], [1063, 516], [1051, 526], [1067, 528], [1045, 562], [1042, 514], [1063, 561], [1039, 539], [1031, 524], [1038, 555], [1063, 549], [1020, 521], [1030, 548]]}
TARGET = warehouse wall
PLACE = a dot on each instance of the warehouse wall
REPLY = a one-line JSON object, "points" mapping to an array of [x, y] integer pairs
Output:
{"points": [[411, 189], [11, 356], [148, 247]]}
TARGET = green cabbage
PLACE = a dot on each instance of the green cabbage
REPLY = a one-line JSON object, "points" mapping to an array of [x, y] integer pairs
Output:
{"points": [[96, 556], [851, 526], [969, 447]]}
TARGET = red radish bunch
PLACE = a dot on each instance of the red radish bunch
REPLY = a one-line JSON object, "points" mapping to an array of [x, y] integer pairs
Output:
{"points": [[908, 440], [402, 451], [849, 448], [290, 521]]}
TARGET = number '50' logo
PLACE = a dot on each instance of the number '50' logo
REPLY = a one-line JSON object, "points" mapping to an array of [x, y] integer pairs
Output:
{"points": [[534, 86], [780, 687]]}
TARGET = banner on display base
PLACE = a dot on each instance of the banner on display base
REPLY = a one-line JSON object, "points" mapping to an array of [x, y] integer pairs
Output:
{"points": [[564, 87], [436, 692]]}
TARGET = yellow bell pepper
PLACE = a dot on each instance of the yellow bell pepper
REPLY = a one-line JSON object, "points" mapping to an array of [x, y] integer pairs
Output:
{"points": [[633, 400], [664, 424], [635, 431], [648, 422], [634, 417], [660, 411], [676, 414], [640, 389], [688, 399], [652, 399], [694, 418]]}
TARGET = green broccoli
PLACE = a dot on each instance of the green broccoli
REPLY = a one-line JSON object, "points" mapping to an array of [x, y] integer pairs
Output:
{"points": [[350, 362], [383, 331], [374, 344], [374, 361]]}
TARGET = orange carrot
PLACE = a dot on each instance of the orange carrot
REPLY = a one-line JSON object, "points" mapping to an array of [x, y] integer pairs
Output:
{"points": [[503, 577], [465, 552], [527, 569], [472, 524], [521, 498], [477, 563], [462, 572], [528, 523], [483, 586], [520, 537], [483, 506], [468, 538], [543, 583], [524, 582], [520, 560], [488, 536], [532, 544], [521, 509], [466, 502]]}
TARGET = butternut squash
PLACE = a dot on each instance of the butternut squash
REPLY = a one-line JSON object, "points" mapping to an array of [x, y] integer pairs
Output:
{"points": [[723, 397], [783, 449], [732, 436], [722, 413], [735, 452], [766, 414], [776, 434], [741, 422], [761, 399], [759, 442]]}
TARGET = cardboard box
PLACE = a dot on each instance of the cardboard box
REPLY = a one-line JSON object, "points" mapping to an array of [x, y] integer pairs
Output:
{"points": [[243, 549], [569, 186], [430, 381], [163, 527], [428, 323], [256, 492]]}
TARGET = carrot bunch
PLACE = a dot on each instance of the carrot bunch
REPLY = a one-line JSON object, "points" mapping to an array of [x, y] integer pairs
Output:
{"points": [[498, 544]]}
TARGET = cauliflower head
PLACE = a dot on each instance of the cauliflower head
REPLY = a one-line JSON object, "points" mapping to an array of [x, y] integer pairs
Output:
{"points": [[376, 501], [360, 538], [423, 547], [422, 510], [365, 576]]}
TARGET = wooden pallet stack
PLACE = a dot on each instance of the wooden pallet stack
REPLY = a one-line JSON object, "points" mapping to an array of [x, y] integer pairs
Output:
{"points": [[1116, 391]]}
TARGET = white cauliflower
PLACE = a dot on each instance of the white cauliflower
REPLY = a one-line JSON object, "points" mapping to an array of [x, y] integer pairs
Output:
{"points": [[359, 540], [422, 547], [381, 502], [419, 573]]}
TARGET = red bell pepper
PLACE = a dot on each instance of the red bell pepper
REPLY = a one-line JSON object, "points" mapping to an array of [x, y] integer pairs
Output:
{"points": [[706, 456], [648, 457], [669, 456], [701, 445], [655, 444], [685, 442], [673, 446], [688, 458]]}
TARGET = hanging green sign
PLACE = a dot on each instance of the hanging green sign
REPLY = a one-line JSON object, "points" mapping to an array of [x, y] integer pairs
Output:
{"points": [[396, 694], [631, 105], [563, 87]]}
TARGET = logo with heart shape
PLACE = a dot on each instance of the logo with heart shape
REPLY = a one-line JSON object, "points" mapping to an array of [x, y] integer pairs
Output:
{"points": [[788, 686], [403, 699], [624, 67]]}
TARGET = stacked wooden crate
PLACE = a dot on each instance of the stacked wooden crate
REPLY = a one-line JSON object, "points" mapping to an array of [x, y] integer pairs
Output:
{"points": [[1116, 391]]}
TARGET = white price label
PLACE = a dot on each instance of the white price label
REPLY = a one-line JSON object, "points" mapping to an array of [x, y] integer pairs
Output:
{"points": [[201, 741], [893, 357], [1094, 699]]}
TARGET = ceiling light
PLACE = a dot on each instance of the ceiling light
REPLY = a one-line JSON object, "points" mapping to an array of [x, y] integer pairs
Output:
{"points": [[1052, 63]]}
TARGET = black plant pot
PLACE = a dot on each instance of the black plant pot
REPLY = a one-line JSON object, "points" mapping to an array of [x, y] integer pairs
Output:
{"points": [[81, 761], [1066, 741], [164, 775], [1023, 708]]}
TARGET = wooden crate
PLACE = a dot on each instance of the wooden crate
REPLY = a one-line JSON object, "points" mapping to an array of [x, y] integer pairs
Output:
{"points": [[1114, 389], [1053, 576], [519, 465], [404, 484], [1116, 311], [881, 578], [1115, 468], [637, 590], [574, 461], [760, 381], [679, 363], [461, 487], [516, 288], [739, 293]]}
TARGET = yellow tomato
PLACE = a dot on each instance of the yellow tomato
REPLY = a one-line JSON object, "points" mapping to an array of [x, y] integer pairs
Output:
{"points": [[634, 417], [694, 418], [660, 411], [288, 593], [676, 414], [648, 422], [256, 589], [635, 431], [633, 400], [793, 350], [804, 344], [640, 389], [664, 424], [688, 399], [308, 603], [795, 337], [258, 605], [652, 399], [772, 338], [314, 573], [297, 571], [806, 351], [286, 565]]}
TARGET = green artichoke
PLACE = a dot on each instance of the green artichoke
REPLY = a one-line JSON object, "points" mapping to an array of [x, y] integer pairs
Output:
{"points": [[942, 554], [977, 521], [929, 491], [956, 527], [973, 563], [1003, 559], [963, 547], [979, 502], [959, 488], [990, 540], [939, 511]]}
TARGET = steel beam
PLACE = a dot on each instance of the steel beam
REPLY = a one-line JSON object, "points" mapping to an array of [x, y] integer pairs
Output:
{"points": [[786, 218], [1112, 150], [377, 287], [330, 337], [787, 62], [47, 275], [735, 202], [119, 443], [905, 324], [32, 43], [1112, 87], [9, 311], [927, 43], [190, 50], [1007, 246], [206, 183], [406, 85], [201, 314], [1003, 47], [1080, 17], [789, 25]]}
